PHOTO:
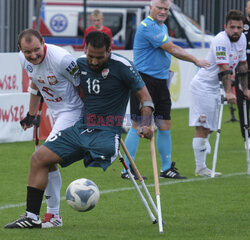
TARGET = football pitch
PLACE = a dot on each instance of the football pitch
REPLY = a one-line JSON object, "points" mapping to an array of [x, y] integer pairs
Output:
{"points": [[194, 209]]}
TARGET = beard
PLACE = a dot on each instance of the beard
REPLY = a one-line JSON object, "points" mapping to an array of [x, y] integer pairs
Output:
{"points": [[97, 68], [234, 38]]}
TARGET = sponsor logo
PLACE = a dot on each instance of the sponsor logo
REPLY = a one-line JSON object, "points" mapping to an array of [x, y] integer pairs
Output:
{"points": [[221, 58], [220, 54], [220, 49], [8, 82], [12, 114], [58, 23], [246, 27], [29, 68], [72, 68], [175, 85]]}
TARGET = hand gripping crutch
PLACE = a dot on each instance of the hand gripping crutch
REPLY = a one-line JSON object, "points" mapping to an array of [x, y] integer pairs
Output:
{"points": [[218, 130], [36, 123], [246, 133], [156, 180], [140, 178]]}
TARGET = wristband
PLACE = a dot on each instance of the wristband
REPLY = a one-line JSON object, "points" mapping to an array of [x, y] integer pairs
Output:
{"points": [[147, 104], [34, 91]]}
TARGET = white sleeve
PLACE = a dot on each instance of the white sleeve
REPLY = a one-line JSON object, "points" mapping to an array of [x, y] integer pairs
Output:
{"points": [[70, 70], [221, 50]]}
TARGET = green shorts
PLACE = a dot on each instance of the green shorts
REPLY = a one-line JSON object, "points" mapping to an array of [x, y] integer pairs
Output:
{"points": [[98, 147]]}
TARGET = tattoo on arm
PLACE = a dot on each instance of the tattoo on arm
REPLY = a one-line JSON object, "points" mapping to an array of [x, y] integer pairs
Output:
{"points": [[226, 80], [242, 70]]}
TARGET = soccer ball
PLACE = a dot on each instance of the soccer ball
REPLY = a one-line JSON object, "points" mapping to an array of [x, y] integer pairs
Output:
{"points": [[82, 195]]}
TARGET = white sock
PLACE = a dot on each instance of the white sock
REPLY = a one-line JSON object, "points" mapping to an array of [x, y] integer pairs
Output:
{"points": [[199, 146], [208, 146], [52, 192], [32, 215]]}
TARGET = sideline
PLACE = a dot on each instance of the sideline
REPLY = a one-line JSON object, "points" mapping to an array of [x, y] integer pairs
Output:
{"points": [[196, 179]]}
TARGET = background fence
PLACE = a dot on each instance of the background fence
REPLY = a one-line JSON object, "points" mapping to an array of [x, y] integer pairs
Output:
{"points": [[214, 11], [15, 15]]}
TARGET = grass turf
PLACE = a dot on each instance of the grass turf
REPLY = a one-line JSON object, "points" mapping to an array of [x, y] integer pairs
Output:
{"points": [[196, 208]]}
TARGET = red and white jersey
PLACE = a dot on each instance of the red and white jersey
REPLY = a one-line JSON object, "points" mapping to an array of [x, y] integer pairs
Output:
{"points": [[222, 51], [56, 77]]}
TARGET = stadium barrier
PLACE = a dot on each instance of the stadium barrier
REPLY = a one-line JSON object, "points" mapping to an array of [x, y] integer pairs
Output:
{"points": [[14, 99]]}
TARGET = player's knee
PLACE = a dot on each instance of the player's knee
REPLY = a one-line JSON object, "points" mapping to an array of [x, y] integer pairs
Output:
{"points": [[36, 160]]}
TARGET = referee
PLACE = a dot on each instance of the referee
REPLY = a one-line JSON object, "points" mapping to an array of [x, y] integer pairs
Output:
{"points": [[152, 58]]}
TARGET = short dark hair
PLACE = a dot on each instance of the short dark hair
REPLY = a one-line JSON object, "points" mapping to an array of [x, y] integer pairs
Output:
{"points": [[27, 34], [236, 15], [98, 40]]}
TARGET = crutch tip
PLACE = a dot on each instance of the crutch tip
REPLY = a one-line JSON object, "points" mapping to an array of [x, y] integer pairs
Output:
{"points": [[154, 221]]}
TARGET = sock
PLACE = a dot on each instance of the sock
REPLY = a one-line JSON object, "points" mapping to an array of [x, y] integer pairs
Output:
{"points": [[52, 192], [199, 147], [131, 143], [32, 215], [164, 146], [208, 146], [34, 200]]}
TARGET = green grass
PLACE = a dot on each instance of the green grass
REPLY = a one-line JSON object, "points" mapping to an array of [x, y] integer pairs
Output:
{"points": [[194, 209]]}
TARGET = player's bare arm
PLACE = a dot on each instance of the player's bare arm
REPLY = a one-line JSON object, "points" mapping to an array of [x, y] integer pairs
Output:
{"points": [[242, 71], [227, 83], [147, 108], [180, 53]]}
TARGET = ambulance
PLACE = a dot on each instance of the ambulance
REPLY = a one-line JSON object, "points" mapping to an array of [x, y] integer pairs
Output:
{"points": [[62, 22]]}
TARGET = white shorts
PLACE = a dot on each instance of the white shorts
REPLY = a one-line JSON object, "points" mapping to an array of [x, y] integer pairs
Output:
{"points": [[203, 110], [65, 120]]}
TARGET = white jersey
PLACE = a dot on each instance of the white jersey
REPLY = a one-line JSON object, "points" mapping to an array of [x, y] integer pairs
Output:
{"points": [[222, 51], [56, 77]]}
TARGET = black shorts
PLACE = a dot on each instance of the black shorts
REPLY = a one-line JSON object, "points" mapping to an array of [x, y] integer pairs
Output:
{"points": [[160, 95]]}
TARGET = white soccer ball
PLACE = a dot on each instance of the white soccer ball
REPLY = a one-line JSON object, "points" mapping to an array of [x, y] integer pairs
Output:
{"points": [[82, 195]]}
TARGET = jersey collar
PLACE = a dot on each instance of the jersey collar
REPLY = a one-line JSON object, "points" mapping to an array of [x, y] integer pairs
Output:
{"points": [[44, 52]]}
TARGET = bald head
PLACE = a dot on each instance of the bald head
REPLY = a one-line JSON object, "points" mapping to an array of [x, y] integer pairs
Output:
{"points": [[154, 2]]}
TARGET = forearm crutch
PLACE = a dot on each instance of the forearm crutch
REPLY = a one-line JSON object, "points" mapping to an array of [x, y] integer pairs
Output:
{"points": [[156, 181], [218, 130], [37, 124], [246, 132], [144, 201], [140, 178]]}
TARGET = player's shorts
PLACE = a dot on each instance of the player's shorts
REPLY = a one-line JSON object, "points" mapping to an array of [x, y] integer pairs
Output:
{"points": [[203, 110], [65, 120], [160, 95], [98, 148]]}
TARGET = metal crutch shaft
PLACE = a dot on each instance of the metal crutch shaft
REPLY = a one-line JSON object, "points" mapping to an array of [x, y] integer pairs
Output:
{"points": [[138, 190]]}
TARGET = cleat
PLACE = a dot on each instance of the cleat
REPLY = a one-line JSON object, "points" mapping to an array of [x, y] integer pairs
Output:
{"points": [[206, 172], [126, 175], [25, 222], [172, 173], [50, 221]]}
